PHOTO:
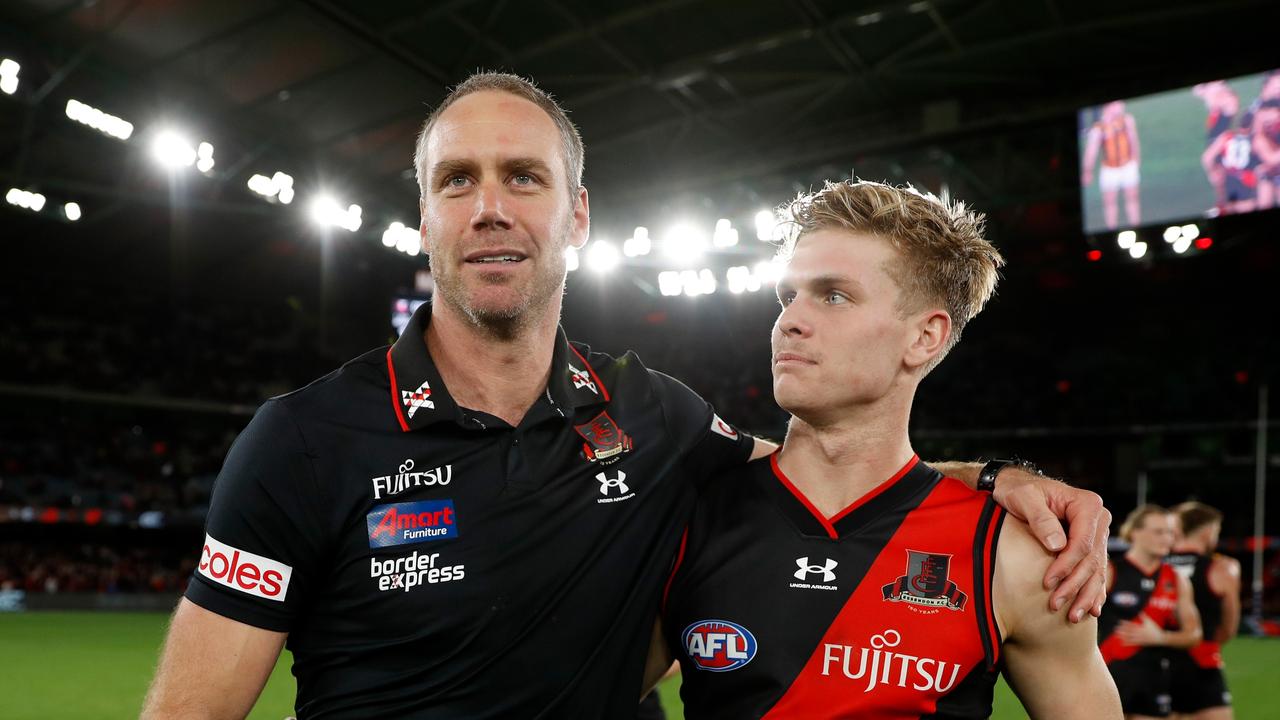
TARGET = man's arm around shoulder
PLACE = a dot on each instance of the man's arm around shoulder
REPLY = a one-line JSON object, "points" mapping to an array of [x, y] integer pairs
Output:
{"points": [[1052, 664], [212, 667]]}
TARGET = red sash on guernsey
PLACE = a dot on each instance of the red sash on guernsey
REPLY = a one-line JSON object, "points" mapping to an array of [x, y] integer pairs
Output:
{"points": [[1161, 607], [915, 627], [1207, 654]]}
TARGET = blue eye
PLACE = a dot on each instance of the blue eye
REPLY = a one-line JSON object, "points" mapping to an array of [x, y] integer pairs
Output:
{"points": [[456, 181]]}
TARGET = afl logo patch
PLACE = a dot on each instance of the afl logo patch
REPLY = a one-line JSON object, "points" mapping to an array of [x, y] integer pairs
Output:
{"points": [[718, 645]]}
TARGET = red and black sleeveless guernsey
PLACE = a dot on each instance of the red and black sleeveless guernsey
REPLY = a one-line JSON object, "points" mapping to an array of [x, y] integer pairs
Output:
{"points": [[883, 611], [1132, 594], [1195, 567]]}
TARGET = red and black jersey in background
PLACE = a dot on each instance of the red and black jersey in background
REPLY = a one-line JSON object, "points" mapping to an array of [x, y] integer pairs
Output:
{"points": [[1195, 567], [1132, 594], [881, 611]]}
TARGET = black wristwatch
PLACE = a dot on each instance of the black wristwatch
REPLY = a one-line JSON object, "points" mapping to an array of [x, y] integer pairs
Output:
{"points": [[987, 476]]}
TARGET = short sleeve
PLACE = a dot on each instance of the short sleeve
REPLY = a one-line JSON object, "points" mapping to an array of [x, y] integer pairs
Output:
{"points": [[263, 535], [706, 443]]}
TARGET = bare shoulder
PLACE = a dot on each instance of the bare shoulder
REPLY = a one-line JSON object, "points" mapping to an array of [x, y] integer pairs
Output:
{"points": [[1021, 599], [1226, 564]]}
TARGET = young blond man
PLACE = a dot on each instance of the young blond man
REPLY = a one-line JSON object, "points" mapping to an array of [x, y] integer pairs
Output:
{"points": [[1150, 610], [842, 577]]}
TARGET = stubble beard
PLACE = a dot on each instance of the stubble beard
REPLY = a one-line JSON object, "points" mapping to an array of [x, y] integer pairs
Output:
{"points": [[509, 322]]}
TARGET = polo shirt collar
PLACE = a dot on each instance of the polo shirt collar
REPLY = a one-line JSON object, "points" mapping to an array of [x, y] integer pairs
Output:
{"points": [[419, 397]]}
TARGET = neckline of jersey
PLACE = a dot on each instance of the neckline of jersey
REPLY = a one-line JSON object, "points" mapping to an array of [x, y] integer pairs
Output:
{"points": [[829, 524]]}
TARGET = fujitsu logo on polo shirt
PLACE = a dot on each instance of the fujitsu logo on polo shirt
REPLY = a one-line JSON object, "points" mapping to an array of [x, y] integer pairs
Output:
{"points": [[407, 478], [414, 522], [241, 570]]}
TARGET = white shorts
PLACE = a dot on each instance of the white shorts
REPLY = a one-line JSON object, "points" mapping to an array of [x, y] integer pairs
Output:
{"points": [[1112, 179]]}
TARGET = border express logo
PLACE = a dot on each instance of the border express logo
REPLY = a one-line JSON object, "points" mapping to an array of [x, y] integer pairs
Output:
{"points": [[412, 522], [718, 645]]}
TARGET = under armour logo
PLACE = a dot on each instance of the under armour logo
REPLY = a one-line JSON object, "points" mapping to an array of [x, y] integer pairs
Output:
{"points": [[806, 569], [606, 482]]}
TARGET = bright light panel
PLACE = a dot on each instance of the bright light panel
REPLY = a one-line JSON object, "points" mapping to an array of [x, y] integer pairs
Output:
{"points": [[98, 120], [602, 257]]}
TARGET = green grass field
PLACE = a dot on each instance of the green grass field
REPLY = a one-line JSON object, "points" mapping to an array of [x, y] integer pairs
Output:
{"points": [[97, 665]]}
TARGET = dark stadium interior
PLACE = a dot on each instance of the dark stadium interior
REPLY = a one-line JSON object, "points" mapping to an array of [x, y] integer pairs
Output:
{"points": [[136, 342]]}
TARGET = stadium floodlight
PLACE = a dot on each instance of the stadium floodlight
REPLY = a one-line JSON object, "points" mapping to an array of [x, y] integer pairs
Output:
{"points": [[706, 281], [105, 123], [71, 211], [24, 199], [767, 226], [768, 272], [1181, 245], [571, 262], [602, 257], [669, 283], [1190, 231], [1138, 250], [1172, 233], [725, 235], [327, 212], [9, 76], [278, 187], [204, 157], [684, 244], [399, 237], [689, 284], [638, 244], [736, 278], [1126, 239], [172, 150]]}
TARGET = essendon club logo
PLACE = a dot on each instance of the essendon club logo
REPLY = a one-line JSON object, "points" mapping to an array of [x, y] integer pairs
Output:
{"points": [[926, 583], [605, 441]]}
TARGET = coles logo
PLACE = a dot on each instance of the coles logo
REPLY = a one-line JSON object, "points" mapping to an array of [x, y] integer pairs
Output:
{"points": [[412, 522], [719, 645], [252, 574]]}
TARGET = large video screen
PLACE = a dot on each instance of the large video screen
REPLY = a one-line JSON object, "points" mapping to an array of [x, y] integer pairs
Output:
{"points": [[1203, 151]]}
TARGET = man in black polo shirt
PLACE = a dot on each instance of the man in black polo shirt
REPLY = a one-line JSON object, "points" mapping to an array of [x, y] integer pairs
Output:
{"points": [[477, 521]]}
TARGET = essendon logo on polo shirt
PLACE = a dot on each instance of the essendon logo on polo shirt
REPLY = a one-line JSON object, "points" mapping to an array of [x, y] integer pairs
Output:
{"points": [[251, 574], [412, 522], [605, 441]]}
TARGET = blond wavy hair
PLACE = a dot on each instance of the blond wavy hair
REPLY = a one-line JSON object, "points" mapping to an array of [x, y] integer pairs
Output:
{"points": [[943, 258]]}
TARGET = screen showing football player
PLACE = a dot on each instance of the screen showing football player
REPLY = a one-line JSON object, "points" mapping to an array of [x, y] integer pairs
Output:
{"points": [[1222, 105], [1266, 146], [1115, 136], [1149, 610], [841, 576], [1199, 687], [1234, 155]]}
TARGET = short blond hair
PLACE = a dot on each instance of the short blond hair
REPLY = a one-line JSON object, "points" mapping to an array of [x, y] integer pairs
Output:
{"points": [[944, 257], [1137, 519]]}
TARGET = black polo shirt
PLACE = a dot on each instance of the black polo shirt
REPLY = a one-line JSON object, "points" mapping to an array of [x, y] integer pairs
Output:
{"points": [[434, 561]]}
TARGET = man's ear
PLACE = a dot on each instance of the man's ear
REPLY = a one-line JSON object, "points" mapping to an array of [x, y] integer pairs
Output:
{"points": [[932, 331], [581, 219], [422, 227]]}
